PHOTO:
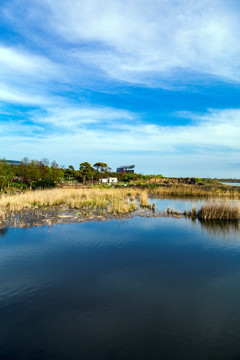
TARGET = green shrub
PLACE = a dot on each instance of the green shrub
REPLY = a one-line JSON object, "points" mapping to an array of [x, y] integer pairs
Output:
{"points": [[43, 184]]}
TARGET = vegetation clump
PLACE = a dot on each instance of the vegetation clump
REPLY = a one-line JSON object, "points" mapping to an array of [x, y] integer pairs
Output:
{"points": [[88, 201], [216, 210], [143, 199], [190, 190], [219, 210]]}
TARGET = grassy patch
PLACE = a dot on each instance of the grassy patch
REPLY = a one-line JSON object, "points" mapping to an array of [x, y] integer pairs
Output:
{"points": [[219, 210], [112, 201], [196, 191]]}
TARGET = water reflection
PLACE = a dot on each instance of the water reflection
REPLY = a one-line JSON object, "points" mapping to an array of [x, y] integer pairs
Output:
{"points": [[222, 228], [186, 204], [3, 231], [176, 204], [142, 288]]}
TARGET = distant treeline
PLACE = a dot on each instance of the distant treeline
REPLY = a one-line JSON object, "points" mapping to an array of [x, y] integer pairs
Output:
{"points": [[35, 174], [230, 180]]}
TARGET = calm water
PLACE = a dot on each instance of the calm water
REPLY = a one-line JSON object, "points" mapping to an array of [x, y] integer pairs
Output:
{"points": [[184, 204], [231, 183], [143, 288], [176, 204]]}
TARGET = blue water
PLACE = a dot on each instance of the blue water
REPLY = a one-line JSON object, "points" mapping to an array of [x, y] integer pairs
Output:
{"points": [[181, 205], [231, 183], [176, 204], [142, 288]]}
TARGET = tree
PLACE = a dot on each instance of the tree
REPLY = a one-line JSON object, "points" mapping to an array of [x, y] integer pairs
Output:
{"points": [[44, 172], [33, 172], [70, 173], [85, 171], [101, 165], [45, 162], [85, 166], [6, 174], [56, 173]]}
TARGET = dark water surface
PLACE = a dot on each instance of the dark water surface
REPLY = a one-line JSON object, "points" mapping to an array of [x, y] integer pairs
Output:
{"points": [[143, 288]]}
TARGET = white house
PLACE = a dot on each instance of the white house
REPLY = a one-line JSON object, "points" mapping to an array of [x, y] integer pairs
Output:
{"points": [[103, 181], [112, 180], [108, 181]]}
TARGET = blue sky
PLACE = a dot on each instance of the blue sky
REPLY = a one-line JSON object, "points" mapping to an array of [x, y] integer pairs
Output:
{"points": [[153, 83]]}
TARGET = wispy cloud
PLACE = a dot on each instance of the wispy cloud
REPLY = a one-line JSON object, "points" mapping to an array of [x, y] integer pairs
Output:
{"points": [[19, 61], [137, 39], [25, 77], [73, 117], [125, 130], [140, 42], [54, 51], [214, 135]]}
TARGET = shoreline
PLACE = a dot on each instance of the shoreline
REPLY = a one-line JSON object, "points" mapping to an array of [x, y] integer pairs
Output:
{"points": [[51, 217], [58, 206]]}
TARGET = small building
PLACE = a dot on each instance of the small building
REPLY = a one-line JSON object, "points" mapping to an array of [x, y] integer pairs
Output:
{"points": [[109, 181], [13, 162], [112, 180], [103, 181], [126, 169]]}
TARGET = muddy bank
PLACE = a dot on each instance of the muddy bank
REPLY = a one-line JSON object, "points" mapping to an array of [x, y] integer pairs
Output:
{"points": [[55, 215]]}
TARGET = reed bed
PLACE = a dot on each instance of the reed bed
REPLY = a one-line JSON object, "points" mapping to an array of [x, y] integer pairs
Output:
{"points": [[195, 191], [143, 199], [219, 210], [96, 201], [112, 201]]}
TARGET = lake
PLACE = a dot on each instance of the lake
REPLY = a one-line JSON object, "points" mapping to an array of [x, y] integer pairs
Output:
{"points": [[231, 183], [141, 288], [186, 204]]}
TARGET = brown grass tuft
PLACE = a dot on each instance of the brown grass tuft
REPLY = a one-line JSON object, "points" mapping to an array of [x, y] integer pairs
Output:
{"points": [[143, 199], [219, 210]]}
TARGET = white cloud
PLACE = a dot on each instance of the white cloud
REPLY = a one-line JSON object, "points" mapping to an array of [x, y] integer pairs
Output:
{"points": [[216, 129], [67, 44], [130, 40], [27, 78], [18, 61], [71, 117], [158, 43], [125, 131], [17, 95], [210, 139]]}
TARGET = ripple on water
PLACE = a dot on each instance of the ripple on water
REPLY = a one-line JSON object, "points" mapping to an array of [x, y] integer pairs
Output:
{"points": [[141, 288]]}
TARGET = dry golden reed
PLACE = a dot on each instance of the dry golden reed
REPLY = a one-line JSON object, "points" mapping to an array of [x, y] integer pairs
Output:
{"points": [[115, 201], [194, 191], [219, 210], [143, 199]]}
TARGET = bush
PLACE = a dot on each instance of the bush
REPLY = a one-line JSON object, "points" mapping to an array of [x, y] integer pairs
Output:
{"points": [[44, 184], [19, 185]]}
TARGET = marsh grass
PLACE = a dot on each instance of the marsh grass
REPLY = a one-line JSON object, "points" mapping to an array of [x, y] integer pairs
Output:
{"points": [[219, 210], [112, 201], [143, 199], [98, 201], [192, 213], [195, 191]]}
